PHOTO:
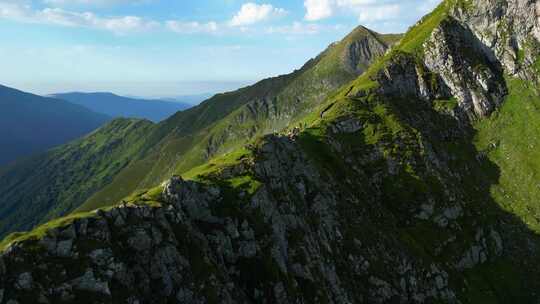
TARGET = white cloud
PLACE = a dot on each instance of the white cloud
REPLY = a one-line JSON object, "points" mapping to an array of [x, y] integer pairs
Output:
{"points": [[251, 13], [61, 17], [192, 27], [318, 9], [63, 3], [367, 10]]}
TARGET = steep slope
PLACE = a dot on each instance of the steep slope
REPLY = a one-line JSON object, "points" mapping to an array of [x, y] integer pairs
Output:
{"points": [[227, 121], [124, 107], [390, 194], [63, 173], [186, 139], [30, 124]]}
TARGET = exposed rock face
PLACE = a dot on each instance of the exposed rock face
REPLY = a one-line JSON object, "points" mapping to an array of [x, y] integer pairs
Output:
{"points": [[537, 29], [468, 54], [503, 34], [504, 27], [467, 67], [361, 53], [296, 239]]}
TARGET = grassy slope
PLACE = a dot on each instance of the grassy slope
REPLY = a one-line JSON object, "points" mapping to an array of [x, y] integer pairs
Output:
{"points": [[230, 120], [58, 181], [511, 138]]}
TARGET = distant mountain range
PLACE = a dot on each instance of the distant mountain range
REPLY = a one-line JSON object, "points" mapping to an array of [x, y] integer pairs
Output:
{"points": [[189, 99], [31, 124], [126, 107]]}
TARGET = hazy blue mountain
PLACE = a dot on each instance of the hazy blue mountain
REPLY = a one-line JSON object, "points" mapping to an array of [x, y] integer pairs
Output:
{"points": [[120, 106], [189, 99], [31, 123]]}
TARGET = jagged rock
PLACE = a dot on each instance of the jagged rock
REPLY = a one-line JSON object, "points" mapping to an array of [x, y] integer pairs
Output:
{"points": [[475, 81], [25, 281], [63, 248], [361, 53], [350, 125], [88, 282]]}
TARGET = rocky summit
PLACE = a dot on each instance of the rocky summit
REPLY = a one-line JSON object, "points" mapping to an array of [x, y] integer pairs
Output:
{"points": [[413, 183]]}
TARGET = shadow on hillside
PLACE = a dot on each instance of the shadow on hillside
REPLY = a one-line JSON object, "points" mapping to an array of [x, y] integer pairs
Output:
{"points": [[433, 159], [515, 274]]}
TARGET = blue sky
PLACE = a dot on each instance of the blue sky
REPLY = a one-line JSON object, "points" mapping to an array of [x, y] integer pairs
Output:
{"points": [[176, 47]]}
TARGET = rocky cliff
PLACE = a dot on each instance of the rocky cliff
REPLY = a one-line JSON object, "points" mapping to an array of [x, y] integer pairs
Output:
{"points": [[383, 197]]}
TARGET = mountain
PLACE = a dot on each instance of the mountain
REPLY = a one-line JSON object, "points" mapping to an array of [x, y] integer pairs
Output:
{"points": [[119, 106], [185, 140], [227, 121], [416, 182], [31, 124], [189, 99], [65, 172]]}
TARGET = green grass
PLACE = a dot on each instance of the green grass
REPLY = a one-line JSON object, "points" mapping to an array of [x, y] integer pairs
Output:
{"points": [[511, 139], [151, 197], [216, 165], [447, 106], [41, 231], [419, 33], [245, 182], [56, 183]]}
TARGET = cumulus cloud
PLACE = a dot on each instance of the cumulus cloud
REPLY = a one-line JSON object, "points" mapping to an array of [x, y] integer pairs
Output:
{"points": [[366, 10], [318, 9], [58, 16], [251, 13]]}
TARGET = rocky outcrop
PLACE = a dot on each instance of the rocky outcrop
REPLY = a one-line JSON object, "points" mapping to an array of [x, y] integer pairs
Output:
{"points": [[469, 69], [506, 28], [468, 55], [480, 43], [295, 239], [360, 54]]}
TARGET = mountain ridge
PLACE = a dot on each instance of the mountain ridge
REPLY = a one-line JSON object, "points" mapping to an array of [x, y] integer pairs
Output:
{"points": [[189, 138], [119, 106], [24, 115], [267, 111], [394, 189]]}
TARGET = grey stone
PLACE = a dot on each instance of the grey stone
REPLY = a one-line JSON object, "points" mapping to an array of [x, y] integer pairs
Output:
{"points": [[88, 282], [25, 281], [63, 248]]}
